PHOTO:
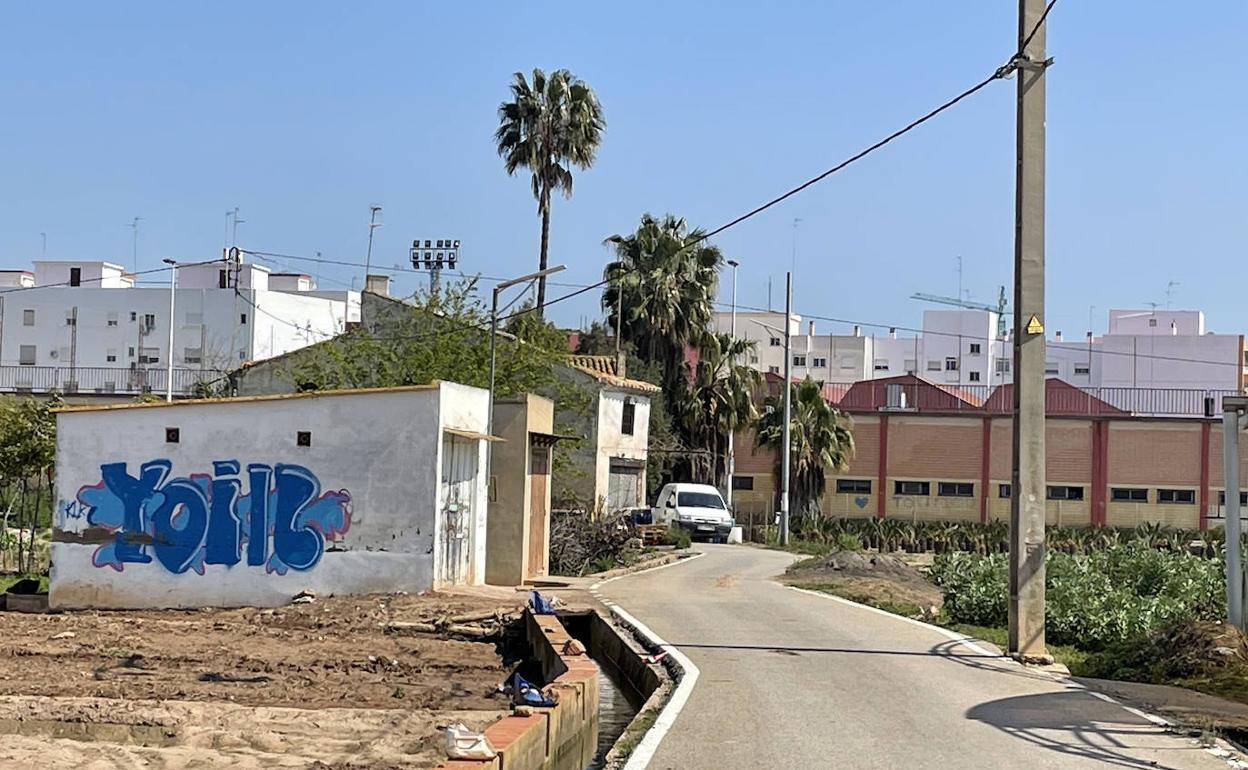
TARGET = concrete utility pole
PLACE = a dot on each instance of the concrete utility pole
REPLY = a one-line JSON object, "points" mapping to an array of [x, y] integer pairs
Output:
{"points": [[1233, 416], [732, 330], [786, 448], [1027, 495], [373, 224]]}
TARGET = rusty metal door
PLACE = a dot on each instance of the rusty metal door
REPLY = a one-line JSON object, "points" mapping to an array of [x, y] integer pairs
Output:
{"points": [[539, 482], [458, 496]]}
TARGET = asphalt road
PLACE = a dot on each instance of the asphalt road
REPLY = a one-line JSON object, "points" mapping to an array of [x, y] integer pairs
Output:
{"points": [[790, 679]]}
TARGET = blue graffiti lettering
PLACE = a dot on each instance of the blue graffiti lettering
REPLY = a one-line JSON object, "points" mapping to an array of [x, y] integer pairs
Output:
{"points": [[187, 522]]}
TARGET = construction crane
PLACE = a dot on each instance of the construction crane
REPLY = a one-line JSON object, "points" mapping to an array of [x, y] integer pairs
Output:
{"points": [[999, 308]]}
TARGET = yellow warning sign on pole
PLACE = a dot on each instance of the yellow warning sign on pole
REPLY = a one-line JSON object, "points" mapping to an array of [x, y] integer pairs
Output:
{"points": [[1034, 326]]}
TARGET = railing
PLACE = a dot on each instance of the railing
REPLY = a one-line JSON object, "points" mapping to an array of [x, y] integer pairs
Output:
{"points": [[1060, 399], [102, 380]]}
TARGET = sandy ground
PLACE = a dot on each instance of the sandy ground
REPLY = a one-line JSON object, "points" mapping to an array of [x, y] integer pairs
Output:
{"points": [[317, 685]]}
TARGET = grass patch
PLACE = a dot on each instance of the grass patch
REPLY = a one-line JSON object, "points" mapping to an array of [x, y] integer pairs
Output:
{"points": [[626, 744]]}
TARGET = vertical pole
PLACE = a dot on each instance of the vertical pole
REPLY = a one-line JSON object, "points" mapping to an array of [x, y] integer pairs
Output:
{"points": [[368, 256], [173, 277], [732, 330], [1234, 572], [489, 420], [786, 448], [1027, 547]]}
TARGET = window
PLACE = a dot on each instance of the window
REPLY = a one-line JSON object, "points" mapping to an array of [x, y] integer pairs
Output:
{"points": [[1083, 369], [1152, 322], [192, 355], [819, 363], [1177, 496], [1050, 367], [131, 352], [221, 282], [149, 355], [743, 483], [753, 358], [933, 366], [974, 376], [242, 318], [881, 365], [974, 348], [111, 356], [799, 360], [133, 316], [853, 486], [1003, 366], [1065, 493], [1004, 491], [1128, 495], [26, 355], [700, 500], [75, 276], [951, 364], [775, 342], [628, 417], [112, 318], [149, 321], [28, 318], [955, 489], [912, 487], [912, 365], [1243, 498], [773, 370]]}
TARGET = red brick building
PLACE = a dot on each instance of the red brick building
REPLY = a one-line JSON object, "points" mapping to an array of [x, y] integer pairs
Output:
{"points": [[926, 452]]}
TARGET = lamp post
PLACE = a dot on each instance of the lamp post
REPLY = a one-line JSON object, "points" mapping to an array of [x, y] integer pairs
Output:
{"points": [[732, 330], [494, 326], [786, 439], [373, 224], [173, 277]]}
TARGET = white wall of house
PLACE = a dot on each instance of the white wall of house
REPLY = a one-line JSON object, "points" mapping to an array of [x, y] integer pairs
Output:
{"points": [[614, 445], [89, 273], [361, 509]]}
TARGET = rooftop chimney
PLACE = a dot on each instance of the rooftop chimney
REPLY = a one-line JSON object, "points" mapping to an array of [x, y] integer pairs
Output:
{"points": [[377, 284], [892, 332], [811, 328], [857, 330], [1174, 329], [1059, 336]]}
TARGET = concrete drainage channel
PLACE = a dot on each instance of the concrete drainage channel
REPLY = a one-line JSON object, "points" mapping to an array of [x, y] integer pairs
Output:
{"points": [[607, 699]]}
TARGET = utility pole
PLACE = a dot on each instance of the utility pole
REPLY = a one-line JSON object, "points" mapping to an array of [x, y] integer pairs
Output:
{"points": [[786, 449], [373, 224], [1027, 493], [1233, 415], [134, 248], [732, 330]]}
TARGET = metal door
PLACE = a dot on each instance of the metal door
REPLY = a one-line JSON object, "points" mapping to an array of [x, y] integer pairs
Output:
{"points": [[539, 481], [623, 487], [458, 496]]}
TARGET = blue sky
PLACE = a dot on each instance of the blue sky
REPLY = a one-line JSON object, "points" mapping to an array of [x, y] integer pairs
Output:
{"points": [[302, 114]]}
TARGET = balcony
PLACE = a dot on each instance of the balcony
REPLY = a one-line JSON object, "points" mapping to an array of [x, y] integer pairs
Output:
{"points": [[101, 380]]}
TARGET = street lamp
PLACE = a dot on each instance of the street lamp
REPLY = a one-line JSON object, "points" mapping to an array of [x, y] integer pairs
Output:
{"points": [[494, 326], [173, 277], [732, 330]]}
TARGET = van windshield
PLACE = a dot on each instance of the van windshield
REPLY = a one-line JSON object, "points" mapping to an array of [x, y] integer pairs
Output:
{"points": [[699, 500]]}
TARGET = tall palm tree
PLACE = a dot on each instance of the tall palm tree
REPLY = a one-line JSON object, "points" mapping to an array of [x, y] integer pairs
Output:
{"points": [[547, 126], [820, 440], [668, 277], [719, 401]]}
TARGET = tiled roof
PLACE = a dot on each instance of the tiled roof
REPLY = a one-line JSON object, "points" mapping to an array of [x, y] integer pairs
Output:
{"points": [[603, 369]]}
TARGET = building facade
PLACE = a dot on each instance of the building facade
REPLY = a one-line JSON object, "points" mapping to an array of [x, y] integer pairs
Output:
{"points": [[86, 328]]}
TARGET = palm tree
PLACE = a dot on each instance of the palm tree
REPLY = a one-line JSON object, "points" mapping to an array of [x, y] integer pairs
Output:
{"points": [[820, 440], [549, 125], [668, 277], [718, 402]]}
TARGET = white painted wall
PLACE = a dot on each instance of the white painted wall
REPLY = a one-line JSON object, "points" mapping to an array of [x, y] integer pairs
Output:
{"points": [[612, 443], [374, 455], [92, 273], [285, 321]]}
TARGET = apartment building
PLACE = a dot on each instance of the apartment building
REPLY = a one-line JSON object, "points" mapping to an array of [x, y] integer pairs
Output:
{"points": [[960, 348], [87, 327], [941, 454]]}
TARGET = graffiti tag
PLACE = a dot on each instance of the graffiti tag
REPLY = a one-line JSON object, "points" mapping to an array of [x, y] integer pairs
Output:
{"points": [[282, 522]]}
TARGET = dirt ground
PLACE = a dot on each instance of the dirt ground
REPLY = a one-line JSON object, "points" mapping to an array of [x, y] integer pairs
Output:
{"points": [[316, 685], [882, 580]]}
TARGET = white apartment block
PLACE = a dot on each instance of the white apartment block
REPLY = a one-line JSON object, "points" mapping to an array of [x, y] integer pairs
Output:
{"points": [[1153, 349], [86, 328]]}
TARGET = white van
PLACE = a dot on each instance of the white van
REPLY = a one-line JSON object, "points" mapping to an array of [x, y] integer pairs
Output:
{"points": [[698, 508]]}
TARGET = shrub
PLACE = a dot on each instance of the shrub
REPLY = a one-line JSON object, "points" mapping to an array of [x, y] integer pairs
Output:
{"points": [[677, 536], [848, 541], [1092, 600]]}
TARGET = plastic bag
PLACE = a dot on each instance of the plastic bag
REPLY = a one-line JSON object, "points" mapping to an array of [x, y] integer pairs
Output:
{"points": [[463, 743]]}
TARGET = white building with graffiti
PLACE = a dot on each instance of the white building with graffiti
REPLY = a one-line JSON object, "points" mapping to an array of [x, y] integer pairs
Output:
{"points": [[249, 501]]}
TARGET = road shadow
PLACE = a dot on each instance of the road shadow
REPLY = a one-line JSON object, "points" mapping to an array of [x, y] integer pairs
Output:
{"points": [[1075, 724]]}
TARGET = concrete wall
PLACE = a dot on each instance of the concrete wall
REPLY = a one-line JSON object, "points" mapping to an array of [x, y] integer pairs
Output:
{"points": [[614, 444], [142, 521], [507, 544]]}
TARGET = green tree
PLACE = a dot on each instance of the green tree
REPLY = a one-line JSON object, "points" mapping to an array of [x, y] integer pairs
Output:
{"points": [[718, 401], [548, 126], [668, 277], [820, 440]]}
